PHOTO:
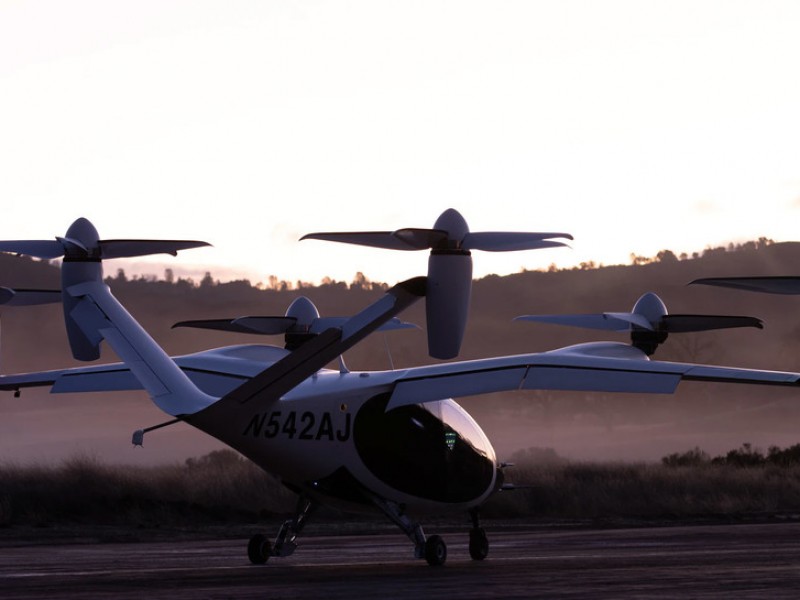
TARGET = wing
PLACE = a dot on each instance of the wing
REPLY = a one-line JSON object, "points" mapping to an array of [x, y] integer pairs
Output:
{"points": [[595, 366], [216, 371]]}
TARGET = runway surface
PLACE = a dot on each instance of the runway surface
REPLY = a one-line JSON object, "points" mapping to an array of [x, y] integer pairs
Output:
{"points": [[717, 561]]}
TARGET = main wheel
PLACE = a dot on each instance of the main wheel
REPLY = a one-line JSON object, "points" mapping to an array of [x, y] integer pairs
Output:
{"points": [[478, 543], [435, 551], [258, 549]]}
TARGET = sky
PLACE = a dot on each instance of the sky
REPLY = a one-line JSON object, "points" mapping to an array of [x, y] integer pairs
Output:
{"points": [[636, 126]]}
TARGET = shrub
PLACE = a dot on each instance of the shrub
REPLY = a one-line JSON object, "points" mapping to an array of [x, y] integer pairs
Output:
{"points": [[691, 458]]}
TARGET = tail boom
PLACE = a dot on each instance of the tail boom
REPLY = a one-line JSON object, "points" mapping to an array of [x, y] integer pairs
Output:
{"points": [[100, 316]]}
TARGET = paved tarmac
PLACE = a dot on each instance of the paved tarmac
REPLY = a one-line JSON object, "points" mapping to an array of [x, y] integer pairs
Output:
{"points": [[716, 561]]}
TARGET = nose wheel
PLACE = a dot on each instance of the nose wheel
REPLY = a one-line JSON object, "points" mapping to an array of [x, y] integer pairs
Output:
{"points": [[435, 551], [478, 542], [259, 549]]}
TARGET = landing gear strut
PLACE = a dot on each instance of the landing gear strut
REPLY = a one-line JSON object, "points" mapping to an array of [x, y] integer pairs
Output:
{"points": [[478, 542], [259, 548], [432, 549]]}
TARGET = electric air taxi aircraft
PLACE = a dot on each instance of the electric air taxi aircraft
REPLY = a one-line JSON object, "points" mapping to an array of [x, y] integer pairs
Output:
{"points": [[388, 440]]}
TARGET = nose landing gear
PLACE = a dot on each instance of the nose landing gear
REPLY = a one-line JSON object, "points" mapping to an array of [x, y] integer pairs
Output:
{"points": [[478, 542], [259, 548]]}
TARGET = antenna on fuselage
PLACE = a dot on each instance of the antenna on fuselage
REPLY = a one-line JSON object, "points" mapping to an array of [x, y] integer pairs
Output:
{"points": [[388, 352]]}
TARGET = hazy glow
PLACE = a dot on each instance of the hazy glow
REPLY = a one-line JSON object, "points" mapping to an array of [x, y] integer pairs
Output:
{"points": [[636, 126]]}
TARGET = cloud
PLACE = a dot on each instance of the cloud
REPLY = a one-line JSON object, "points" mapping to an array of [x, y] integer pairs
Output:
{"points": [[705, 207]]}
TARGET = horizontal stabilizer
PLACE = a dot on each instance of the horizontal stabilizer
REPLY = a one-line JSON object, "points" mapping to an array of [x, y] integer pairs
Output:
{"points": [[770, 285]]}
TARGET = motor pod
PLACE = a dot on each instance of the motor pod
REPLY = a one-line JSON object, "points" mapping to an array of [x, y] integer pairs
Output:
{"points": [[80, 265], [652, 308], [447, 301]]}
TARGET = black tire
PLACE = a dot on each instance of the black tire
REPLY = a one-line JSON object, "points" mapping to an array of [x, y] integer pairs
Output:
{"points": [[435, 551], [478, 543], [258, 549]]}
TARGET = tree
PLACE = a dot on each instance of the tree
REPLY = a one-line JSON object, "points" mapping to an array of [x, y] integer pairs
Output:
{"points": [[207, 280], [360, 282], [666, 256]]}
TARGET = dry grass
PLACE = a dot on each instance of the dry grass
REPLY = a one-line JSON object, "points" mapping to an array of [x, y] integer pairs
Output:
{"points": [[599, 491], [223, 488], [219, 487]]}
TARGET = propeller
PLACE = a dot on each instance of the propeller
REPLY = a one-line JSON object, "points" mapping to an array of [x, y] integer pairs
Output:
{"points": [[449, 267], [649, 322], [787, 285], [82, 243], [300, 324], [83, 251]]}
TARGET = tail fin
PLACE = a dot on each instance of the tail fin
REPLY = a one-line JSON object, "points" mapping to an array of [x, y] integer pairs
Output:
{"points": [[92, 315], [100, 316]]}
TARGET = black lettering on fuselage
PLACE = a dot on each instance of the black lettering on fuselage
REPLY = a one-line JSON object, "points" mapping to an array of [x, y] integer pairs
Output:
{"points": [[308, 426], [256, 424], [343, 436], [325, 427], [308, 419]]}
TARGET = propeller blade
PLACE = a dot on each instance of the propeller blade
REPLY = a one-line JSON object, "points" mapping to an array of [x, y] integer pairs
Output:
{"points": [[632, 318], [24, 297], [376, 239], [71, 241], [271, 325], [506, 241], [323, 323], [231, 325], [266, 325], [771, 285], [128, 248], [47, 249], [421, 239], [689, 323], [604, 321]]}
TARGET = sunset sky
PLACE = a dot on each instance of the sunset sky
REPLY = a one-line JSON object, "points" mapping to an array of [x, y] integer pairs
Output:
{"points": [[634, 125]]}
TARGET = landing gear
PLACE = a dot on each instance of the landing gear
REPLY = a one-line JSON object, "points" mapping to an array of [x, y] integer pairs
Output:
{"points": [[435, 551], [432, 549], [259, 549], [478, 542]]}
